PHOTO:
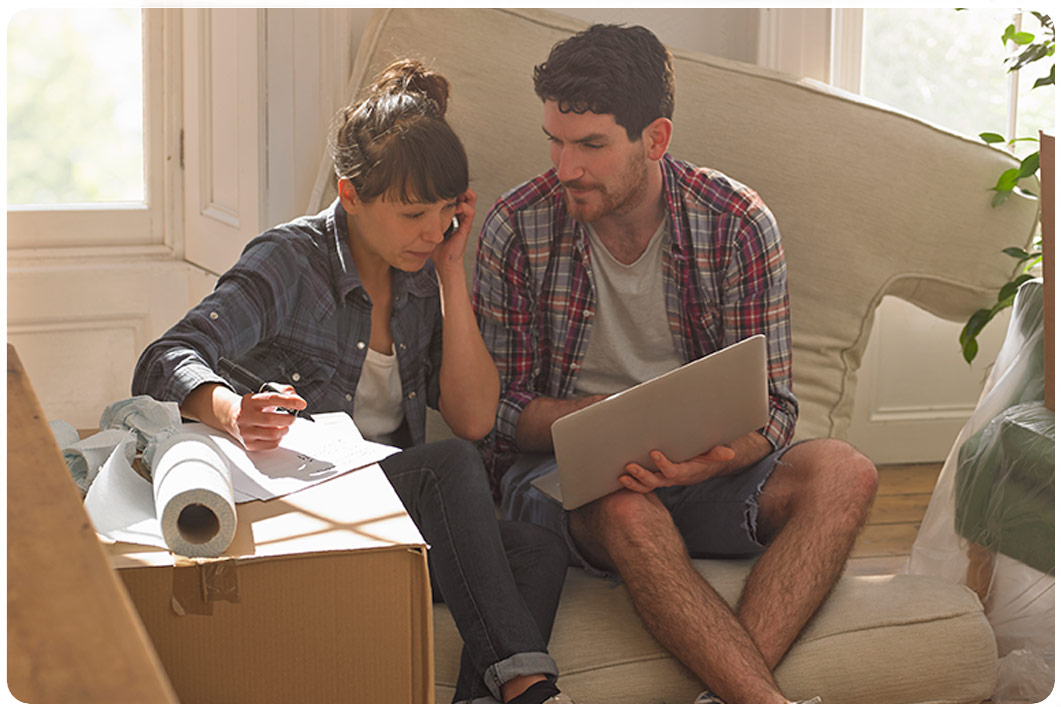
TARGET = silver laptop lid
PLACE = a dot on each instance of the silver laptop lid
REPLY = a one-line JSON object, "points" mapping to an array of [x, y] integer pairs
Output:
{"points": [[682, 413]]}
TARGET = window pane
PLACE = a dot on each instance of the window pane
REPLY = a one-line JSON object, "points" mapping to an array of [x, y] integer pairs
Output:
{"points": [[74, 107], [939, 64]]}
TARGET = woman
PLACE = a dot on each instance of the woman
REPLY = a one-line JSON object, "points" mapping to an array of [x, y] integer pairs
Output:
{"points": [[364, 308]]}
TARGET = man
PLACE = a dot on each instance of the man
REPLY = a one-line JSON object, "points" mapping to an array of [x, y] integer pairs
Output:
{"points": [[619, 264]]}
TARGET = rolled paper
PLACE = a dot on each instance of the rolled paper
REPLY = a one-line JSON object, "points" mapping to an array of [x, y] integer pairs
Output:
{"points": [[86, 457], [193, 496]]}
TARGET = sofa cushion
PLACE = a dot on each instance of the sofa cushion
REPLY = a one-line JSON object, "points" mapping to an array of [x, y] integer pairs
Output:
{"points": [[870, 201], [904, 638]]}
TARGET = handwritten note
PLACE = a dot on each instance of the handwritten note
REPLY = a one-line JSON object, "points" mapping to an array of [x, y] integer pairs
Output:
{"points": [[311, 452]]}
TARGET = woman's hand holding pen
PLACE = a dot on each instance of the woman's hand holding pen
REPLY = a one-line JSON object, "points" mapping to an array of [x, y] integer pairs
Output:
{"points": [[254, 419], [257, 420]]}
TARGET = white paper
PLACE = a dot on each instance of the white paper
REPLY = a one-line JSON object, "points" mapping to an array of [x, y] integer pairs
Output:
{"points": [[121, 503], [310, 452]]}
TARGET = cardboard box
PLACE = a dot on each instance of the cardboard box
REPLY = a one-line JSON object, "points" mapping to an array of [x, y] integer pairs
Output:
{"points": [[323, 596], [72, 634]]}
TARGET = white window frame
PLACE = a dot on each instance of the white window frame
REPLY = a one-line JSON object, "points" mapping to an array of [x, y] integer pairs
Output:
{"points": [[817, 43], [109, 230]]}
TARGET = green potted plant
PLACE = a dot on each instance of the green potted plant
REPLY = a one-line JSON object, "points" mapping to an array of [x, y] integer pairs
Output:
{"points": [[1030, 49]]}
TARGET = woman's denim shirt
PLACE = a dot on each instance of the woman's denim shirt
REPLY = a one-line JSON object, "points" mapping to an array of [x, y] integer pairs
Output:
{"points": [[293, 310]]}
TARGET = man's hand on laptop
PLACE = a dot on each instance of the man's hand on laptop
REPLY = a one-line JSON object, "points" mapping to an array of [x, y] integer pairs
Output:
{"points": [[718, 460], [691, 471]]}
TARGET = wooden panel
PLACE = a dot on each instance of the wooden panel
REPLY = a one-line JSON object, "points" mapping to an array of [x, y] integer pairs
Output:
{"points": [[914, 390], [79, 327], [888, 539], [899, 509], [220, 73], [72, 635], [224, 178], [907, 479], [81, 365]]}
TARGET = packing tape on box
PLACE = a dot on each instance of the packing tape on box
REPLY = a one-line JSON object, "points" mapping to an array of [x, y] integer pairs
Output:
{"points": [[199, 583], [193, 496]]}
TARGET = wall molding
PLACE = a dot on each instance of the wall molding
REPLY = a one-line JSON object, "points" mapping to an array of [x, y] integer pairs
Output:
{"points": [[916, 413], [135, 322], [87, 255]]}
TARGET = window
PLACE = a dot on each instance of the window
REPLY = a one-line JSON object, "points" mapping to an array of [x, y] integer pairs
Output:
{"points": [[946, 66], [86, 145], [74, 107]]}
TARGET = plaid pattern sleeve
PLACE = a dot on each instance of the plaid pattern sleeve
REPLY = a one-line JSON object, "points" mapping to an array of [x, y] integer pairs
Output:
{"points": [[247, 306], [742, 280], [506, 311], [757, 302]]}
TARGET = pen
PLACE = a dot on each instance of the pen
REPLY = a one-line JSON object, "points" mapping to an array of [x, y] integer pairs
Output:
{"points": [[238, 374]]}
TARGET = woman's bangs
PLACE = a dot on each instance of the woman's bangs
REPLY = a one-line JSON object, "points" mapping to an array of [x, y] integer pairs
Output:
{"points": [[423, 166]]}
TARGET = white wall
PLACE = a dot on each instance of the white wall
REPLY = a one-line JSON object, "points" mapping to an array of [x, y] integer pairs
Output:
{"points": [[727, 32]]}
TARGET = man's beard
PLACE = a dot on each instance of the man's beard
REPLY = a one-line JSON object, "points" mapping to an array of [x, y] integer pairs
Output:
{"points": [[624, 195]]}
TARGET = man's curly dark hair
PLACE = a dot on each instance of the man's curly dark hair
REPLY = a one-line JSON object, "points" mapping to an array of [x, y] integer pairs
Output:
{"points": [[610, 69]]}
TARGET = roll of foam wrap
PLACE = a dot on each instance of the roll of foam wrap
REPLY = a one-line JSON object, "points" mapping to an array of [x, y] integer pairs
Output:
{"points": [[193, 496]]}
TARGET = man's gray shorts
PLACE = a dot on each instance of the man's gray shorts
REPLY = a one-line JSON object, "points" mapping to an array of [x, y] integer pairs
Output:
{"points": [[717, 518]]}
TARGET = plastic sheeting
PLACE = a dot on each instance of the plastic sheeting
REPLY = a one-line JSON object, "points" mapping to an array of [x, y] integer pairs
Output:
{"points": [[990, 521]]}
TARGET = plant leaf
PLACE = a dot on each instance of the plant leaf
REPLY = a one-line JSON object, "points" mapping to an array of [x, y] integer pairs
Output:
{"points": [[990, 138], [1006, 294], [1015, 252], [975, 325], [1029, 165], [1047, 80], [1044, 20], [1000, 198], [1033, 52], [969, 350], [1007, 180]]}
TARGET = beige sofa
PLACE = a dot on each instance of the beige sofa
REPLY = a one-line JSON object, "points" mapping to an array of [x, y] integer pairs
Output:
{"points": [[870, 202]]}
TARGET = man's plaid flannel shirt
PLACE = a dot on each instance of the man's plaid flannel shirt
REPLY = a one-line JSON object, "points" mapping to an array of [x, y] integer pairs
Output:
{"points": [[725, 280]]}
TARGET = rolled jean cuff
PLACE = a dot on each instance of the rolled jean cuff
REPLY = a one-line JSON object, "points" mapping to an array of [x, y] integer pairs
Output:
{"points": [[514, 666]]}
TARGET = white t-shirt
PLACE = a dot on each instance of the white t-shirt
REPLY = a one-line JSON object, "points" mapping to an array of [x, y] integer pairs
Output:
{"points": [[378, 399], [630, 338]]}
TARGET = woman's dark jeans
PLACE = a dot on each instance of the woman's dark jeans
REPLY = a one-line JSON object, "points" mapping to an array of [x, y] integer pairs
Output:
{"points": [[501, 581]]}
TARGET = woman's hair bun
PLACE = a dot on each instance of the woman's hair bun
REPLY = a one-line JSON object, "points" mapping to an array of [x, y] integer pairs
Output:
{"points": [[411, 76]]}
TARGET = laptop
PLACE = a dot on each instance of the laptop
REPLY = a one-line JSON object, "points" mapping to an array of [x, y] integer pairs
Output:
{"points": [[682, 413]]}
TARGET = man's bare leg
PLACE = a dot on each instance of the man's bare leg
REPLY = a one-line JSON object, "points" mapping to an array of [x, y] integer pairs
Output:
{"points": [[813, 507], [634, 534], [810, 512]]}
